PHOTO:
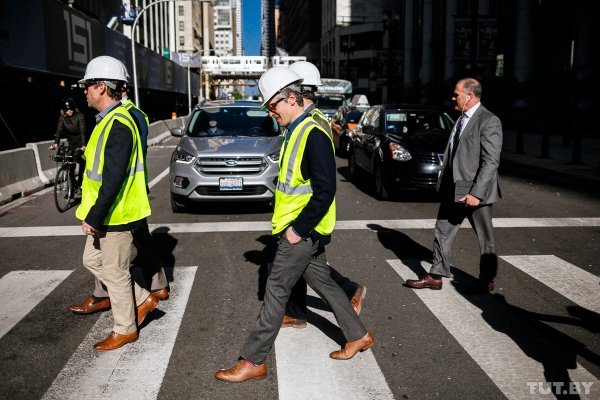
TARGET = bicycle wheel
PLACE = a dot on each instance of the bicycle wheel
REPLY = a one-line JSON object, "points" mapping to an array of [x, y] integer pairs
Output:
{"points": [[63, 188]]}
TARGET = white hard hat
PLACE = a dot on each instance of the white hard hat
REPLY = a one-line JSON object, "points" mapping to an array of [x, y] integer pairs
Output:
{"points": [[307, 71], [275, 79], [105, 68], [125, 70]]}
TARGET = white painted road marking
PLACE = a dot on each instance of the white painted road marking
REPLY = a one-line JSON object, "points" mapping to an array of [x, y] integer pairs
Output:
{"points": [[259, 226], [154, 181], [305, 371], [572, 282], [21, 291], [134, 371], [506, 348]]}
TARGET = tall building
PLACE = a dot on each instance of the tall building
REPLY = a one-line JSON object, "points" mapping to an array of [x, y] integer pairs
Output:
{"points": [[268, 28], [225, 23]]}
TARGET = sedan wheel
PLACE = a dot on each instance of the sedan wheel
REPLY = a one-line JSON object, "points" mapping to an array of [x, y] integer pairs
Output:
{"points": [[381, 191]]}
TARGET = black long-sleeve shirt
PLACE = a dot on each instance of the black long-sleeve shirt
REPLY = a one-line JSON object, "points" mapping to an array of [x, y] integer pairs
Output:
{"points": [[71, 128], [318, 165], [117, 152]]}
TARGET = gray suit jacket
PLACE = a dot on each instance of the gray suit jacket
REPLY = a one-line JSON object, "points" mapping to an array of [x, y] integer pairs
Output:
{"points": [[475, 164]]}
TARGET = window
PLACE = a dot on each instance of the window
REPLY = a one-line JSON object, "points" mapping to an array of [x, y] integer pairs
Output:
{"points": [[181, 40], [181, 11], [181, 26]]}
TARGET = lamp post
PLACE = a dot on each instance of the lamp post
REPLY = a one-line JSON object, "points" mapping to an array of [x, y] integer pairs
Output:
{"points": [[137, 18]]}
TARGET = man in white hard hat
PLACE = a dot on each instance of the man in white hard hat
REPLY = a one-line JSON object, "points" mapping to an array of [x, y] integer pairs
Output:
{"points": [[114, 201], [296, 310], [303, 220], [142, 239]]}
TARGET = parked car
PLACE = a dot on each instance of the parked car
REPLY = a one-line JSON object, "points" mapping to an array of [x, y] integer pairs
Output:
{"points": [[228, 151], [400, 146], [343, 122]]}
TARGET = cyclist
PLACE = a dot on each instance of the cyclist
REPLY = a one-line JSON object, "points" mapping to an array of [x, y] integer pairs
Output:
{"points": [[71, 125]]}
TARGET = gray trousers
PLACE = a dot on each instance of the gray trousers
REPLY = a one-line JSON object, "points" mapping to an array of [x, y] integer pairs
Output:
{"points": [[304, 259], [450, 217], [153, 269]]}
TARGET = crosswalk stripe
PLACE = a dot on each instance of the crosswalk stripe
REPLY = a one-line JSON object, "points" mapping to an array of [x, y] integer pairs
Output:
{"points": [[508, 350], [572, 282], [258, 226], [21, 291], [305, 371], [134, 371]]}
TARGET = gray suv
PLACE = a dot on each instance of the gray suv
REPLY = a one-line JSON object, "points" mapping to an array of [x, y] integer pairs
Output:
{"points": [[229, 151]]}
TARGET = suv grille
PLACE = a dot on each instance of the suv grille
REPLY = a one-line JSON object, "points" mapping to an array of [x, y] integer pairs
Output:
{"points": [[223, 166]]}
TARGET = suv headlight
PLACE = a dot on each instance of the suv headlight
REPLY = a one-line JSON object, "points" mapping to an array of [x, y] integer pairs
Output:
{"points": [[182, 156], [274, 156], [399, 153]]}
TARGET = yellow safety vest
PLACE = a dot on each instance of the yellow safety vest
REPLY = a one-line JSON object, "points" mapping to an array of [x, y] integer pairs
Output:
{"points": [[322, 120], [128, 104], [293, 192], [132, 202]]}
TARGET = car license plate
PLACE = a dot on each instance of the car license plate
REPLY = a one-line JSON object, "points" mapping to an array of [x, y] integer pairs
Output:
{"points": [[231, 184]]}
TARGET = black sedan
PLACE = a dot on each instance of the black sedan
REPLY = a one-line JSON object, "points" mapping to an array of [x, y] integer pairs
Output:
{"points": [[400, 146]]}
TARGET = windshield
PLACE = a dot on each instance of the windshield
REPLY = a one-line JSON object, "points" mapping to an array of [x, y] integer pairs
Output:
{"points": [[232, 121], [412, 122], [329, 102], [354, 116]]}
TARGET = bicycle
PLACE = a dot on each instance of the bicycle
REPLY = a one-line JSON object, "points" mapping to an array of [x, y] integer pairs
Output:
{"points": [[64, 183]]}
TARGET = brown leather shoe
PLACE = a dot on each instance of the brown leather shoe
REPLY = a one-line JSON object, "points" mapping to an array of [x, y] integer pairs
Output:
{"points": [[425, 282], [161, 294], [146, 308], [289, 322], [91, 305], [116, 340], [357, 299], [351, 348], [242, 371]]}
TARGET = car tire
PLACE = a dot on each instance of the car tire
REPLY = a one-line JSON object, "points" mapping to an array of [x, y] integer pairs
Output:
{"points": [[177, 206], [381, 189]]}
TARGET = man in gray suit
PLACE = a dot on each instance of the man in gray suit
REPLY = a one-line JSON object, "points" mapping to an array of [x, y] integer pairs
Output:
{"points": [[468, 187]]}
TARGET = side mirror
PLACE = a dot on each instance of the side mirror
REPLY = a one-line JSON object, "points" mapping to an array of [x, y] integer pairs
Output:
{"points": [[177, 132]]}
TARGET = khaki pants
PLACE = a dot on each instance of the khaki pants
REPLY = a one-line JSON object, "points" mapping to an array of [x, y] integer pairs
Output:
{"points": [[108, 257]]}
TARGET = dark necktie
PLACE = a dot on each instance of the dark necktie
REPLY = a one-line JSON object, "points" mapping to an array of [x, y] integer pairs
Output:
{"points": [[456, 138]]}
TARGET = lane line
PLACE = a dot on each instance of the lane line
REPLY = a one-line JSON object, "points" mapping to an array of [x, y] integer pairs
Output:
{"points": [[135, 371], [572, 282], [305, 371], [160, 176], [259, 226], [21, 291], [505, 347]]}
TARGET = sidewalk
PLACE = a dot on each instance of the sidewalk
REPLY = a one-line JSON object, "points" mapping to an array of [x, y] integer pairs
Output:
{"points": [[558, 168]]}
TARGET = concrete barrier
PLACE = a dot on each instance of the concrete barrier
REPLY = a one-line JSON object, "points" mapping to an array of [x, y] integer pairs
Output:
{"points": [[29, 169], [18, 174], [46, 167], [159, 131]]}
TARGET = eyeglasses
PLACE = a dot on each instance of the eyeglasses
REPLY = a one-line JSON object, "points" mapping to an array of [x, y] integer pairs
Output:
{"points": [[87, 84], [273, 106]]}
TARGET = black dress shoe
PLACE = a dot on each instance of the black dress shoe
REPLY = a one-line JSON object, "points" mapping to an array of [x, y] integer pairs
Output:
{"points": [[426, 282]]}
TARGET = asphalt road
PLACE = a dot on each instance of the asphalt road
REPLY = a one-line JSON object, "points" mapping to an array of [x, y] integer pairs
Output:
{"points": [[540, 325]]}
